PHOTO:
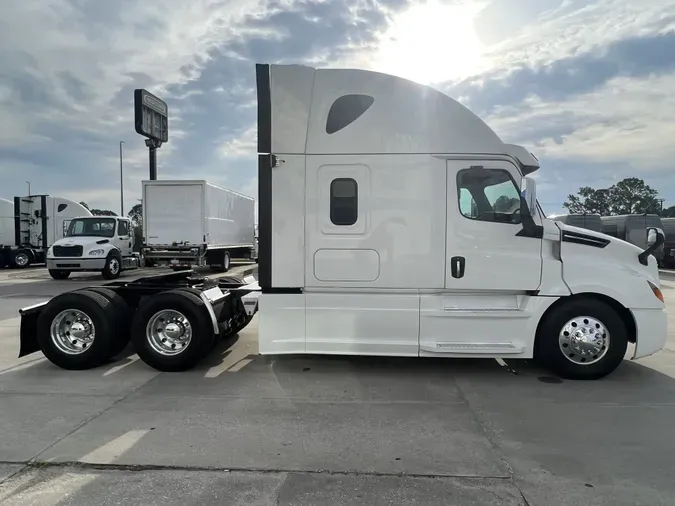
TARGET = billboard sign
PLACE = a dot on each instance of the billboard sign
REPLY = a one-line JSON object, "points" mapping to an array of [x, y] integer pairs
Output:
{"points": [[151, 116]]}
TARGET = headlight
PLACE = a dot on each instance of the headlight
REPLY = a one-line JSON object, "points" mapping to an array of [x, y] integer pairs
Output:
{"points": [[97, 252]]}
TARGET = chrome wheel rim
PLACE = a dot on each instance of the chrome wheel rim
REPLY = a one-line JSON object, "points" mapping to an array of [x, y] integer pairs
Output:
{"points": [[114, 266], [21, 259], [584, 340], [169, 332], [72, 331]]}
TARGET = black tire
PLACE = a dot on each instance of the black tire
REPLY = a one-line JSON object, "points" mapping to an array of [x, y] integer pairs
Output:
{"points": [[122, 317], [99, 310], [113, 266], [59, 274], [193, 308], [20, 259], [3, 261], [549, 351], [223, 262]]}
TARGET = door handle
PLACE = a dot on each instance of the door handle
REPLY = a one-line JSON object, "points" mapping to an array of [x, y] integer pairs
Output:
{"points": [[457, 266]]}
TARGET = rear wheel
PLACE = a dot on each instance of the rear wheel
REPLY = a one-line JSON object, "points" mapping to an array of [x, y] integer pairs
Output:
{"points": [[223, 262], [122, 317], [59, 274], [582, 339], [76, 330], [172, 331], [20, 259]]}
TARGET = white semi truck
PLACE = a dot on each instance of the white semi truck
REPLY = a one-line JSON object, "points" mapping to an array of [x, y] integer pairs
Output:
{"points": [[392, 221], [102, 244], [190, 223], [30, 225]]}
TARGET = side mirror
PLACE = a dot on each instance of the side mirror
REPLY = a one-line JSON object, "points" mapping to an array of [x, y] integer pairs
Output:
{"points": [[653, 235], [655, 238], [528, 191]]}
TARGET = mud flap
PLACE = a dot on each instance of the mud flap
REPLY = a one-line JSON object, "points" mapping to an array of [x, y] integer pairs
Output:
{"points": [[28, 332]]}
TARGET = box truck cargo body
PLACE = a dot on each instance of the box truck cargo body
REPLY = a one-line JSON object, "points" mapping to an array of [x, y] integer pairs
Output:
{"points": [[195, 223]]}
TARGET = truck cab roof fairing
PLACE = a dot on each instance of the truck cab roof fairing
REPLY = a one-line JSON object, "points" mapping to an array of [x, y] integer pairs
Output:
{"points": [[399, 116]]}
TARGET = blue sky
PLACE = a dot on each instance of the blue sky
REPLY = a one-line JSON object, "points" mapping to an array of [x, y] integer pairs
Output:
{"points": [[587, 85]]}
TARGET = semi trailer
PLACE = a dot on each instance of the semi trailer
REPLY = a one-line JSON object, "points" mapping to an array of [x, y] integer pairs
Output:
{"points": [[634, 228], [36, 223], [587, 221], [392, 222], [669, 245], [195, 224]]}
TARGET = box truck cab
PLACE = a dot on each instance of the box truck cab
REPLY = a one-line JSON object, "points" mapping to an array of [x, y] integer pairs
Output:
{"points": [[94, 243], [393, 221]]}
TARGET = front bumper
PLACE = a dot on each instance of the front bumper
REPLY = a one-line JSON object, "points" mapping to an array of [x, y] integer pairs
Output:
{"points": [[76, 264], [652, 331]]}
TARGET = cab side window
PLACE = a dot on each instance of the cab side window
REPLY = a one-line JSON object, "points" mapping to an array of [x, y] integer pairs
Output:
{"points": [[123, 228], [488, 195], [344, 201]]}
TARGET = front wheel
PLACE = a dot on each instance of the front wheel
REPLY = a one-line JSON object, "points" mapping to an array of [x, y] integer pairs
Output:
{"points": [[582, 339], [113, 267], [59, 274]]}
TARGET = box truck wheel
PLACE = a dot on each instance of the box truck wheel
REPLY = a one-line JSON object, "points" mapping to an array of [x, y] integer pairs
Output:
{"points": [[20, 259], [582, 339], [223, 262], [122, 317], [3, 260], [59, 273], [76, 330], [113, 266], [172, 331]]}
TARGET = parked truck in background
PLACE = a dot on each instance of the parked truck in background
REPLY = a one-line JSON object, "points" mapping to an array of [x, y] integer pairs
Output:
{"points": [[38, 221], [102, 244], [6, 226], [188, 223], [587, 221], [634, 228], [392, 221], [669, 245]]}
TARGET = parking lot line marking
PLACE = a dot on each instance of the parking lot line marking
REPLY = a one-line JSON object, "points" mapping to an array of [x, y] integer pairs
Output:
{"points": [[501, 362], [110, 452], [130, 360], [25, 365], [240, 365]]}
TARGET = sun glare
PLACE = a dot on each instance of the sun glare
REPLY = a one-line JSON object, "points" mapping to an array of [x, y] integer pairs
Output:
{"points": [[432, 42]]}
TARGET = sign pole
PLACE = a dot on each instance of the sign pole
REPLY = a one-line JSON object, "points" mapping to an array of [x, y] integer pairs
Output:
{"points": [[152, 145]]}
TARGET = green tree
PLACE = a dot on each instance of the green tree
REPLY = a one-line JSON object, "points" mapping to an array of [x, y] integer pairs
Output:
{"points": [[589, 201], [629, 196], [136, 215]]}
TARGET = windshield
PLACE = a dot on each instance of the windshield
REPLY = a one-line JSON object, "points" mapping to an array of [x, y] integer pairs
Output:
{"points": [[103, 227]]}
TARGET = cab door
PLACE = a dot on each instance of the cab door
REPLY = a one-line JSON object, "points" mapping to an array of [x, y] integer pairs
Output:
{"points": [[124, 238], [487, 249]]}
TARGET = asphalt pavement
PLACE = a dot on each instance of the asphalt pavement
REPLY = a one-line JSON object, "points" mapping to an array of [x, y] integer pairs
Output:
{"points": [[241, 429]]}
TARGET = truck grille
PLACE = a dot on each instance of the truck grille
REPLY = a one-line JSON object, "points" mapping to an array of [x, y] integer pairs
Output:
{"points": [[67, 251]]}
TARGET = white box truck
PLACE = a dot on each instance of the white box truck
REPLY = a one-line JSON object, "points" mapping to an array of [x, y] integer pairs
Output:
{"points": [[36, 222], [189, 223], [392, 221]]}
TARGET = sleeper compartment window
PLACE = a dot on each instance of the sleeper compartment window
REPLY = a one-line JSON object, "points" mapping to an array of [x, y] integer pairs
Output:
{"points": [[344, 201]]}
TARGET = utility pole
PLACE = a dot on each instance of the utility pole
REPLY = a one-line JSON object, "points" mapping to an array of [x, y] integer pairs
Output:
{"points": [[121, 182]]}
